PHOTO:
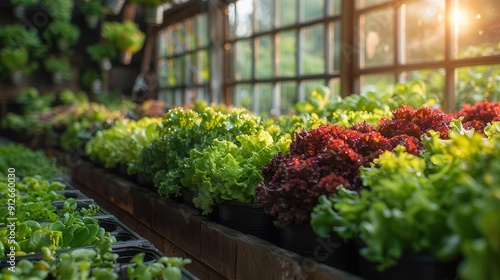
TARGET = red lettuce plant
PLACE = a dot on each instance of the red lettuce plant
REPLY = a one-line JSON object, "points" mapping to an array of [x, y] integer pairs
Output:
{"points": [[479, 115], [319, 161], [415, 122]]}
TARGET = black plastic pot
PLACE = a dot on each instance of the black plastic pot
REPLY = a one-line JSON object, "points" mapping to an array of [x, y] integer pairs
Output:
{"points": [[123, 171], [333, 251], [249, 218], [145, 181], [411, 267]]}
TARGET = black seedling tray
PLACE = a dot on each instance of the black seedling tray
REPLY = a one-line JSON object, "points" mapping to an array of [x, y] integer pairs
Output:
{"points": [[81, 203], [120, 231], [76, 194]]}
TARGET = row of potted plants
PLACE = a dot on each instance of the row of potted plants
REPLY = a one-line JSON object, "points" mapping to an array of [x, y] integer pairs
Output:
{"points": [[55, 236], [314, 165], [326, 160]]}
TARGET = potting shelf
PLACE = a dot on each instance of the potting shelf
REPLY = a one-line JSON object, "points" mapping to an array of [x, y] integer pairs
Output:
{"points": [[216, 251]]}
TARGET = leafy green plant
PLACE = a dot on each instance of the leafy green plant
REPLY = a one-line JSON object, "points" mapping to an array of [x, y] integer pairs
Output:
{"points": [[27, 162], [441, 203], [14, 58], [122, 143], [64, 33], [92, 8], [59, 9], [99, 51], [230, 171], [59, 65], [19, 36], [164, 268], [24, 2], [124, 37]]}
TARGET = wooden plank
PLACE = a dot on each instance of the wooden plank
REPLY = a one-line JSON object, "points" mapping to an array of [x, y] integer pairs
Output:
{"points": [[218, 248], [117, 190], [180, 224], [197, 268], [143, 201], [325, 272], [272, 262]]}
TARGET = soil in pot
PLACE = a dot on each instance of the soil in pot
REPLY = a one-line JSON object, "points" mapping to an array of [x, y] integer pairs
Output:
{"points": [[333, 250], [248, 218]]}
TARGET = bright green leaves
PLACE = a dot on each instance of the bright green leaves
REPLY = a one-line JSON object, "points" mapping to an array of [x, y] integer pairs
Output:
{"points": [[230, 171], [169, 268]]}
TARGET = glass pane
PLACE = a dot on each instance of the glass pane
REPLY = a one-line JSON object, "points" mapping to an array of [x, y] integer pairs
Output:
{"points": [[287, 49], [189, 34], [335, 7], [202, 31], [335, 46], [313, 59], [376, 82], [311, 85], [202, 94], [264, 14], [477, 23], [244, 18], [377, 38], [231, 17], [179, 39], [167, 96], [425, 27], [288, 97], [178, 98], [264, 62], [162, 73], [264, 98], [476, 84], [432, 81], [243, 60], [313, 9], [335, 87], [189, 67], [202, 67], [170, 41], [179, 66], [162, 43], [360, 4], [242, 96], [287, 13]]}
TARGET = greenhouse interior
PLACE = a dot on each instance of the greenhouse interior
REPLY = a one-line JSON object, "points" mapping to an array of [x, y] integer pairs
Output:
{"points": [[250, 139]]}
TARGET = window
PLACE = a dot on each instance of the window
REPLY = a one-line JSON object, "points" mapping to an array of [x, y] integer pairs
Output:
{"points": [[441, 42], [278, 50], [267, 55], [183, 61]]}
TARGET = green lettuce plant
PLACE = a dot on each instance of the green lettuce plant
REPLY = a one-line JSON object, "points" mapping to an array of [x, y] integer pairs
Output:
{"points": [[230, 171], [442, 203]]}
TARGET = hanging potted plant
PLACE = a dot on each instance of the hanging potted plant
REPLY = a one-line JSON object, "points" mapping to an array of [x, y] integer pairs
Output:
{"points": [[60, 69], [125, 37], [101, 53], [20, 6], [153, 10], [59, 9], [93, 12], [14, 60], [17, 35], [65, 34]]}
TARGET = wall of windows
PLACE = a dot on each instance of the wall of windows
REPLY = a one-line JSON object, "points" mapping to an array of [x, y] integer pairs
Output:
{"points": [[267, 55]]}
